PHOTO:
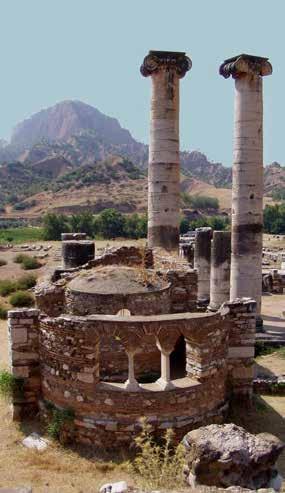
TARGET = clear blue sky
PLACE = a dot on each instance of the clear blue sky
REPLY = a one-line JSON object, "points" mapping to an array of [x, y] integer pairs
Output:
{"points": [[92, 49]]}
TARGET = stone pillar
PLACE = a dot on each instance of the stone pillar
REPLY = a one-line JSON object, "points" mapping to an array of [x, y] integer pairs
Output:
{"points": [[247, 217], [202, 263], [131, 384], [76, 253], [165, 69], [220, 269], [24, 360], [165, 381], [241, 317]]}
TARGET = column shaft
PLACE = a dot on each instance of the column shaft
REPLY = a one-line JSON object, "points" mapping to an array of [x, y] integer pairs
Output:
{"points": [[220, 269], [164, 174], [202, 263], [247, 198], [165, 69]]}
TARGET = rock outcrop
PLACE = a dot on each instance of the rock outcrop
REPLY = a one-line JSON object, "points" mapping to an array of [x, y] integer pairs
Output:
{"points": [[227, 455]]}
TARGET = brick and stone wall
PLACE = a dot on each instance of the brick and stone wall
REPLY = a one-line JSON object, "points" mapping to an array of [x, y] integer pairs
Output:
{"points": [[106, 413], [240, 315], [144, 303], [23, 325]]}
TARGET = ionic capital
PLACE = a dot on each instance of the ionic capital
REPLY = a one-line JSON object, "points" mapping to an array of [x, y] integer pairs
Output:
{"points": [[166, 60], [245, 64]]}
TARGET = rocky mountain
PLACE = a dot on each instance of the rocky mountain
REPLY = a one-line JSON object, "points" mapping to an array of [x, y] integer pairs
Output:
{"points": [[65, 119], [63, 147]]}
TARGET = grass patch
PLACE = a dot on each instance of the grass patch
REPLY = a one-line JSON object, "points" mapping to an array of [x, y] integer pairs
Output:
{"points": [[7, 287], [28, 262], [10, 384], [3, 313], [31, 263], [20, 258], [21, 299], [21, 235], [262, 349], [27, 281], [2, 262]]}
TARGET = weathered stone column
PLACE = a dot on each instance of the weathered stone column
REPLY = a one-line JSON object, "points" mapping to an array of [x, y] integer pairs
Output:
{"points": [[165, 68], [76, 253], [131, 384], [247, 220], [202, 263], [220, 269]]}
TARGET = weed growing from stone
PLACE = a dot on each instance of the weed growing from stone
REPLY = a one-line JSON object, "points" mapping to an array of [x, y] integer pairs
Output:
{"points": [[59, 418], [158, 465]]}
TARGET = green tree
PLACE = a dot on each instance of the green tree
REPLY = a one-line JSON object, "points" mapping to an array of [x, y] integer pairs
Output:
{"points": [[54, 225], [184, 226], [111, 223], [82, 223]]}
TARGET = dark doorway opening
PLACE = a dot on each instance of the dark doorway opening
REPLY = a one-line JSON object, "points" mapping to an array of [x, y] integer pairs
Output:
{"points": [[178, 359]]}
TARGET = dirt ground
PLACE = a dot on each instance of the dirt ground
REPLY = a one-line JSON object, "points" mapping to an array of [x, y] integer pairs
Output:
{"points": [[62, 470]]}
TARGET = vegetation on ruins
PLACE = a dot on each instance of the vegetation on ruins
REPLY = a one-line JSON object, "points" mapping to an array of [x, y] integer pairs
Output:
{"points": [[21, 299], [158, 465], [58, 419]]}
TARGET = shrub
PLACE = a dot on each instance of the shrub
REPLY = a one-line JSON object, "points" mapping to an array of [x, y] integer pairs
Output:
{"points": [[7, 287], [2, 262], [3, 313], [9, 384], [30, 263], [158, 466], [26, 282], [20, 258], [21, 298], [59, 418]]}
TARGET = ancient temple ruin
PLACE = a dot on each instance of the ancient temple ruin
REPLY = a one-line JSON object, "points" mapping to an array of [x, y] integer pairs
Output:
{"points": [[129, 333]]}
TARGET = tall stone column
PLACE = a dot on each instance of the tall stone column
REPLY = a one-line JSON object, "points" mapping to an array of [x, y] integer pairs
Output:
{"points": [[220, 269], [202, 263], [165, 69], [247, 195]]}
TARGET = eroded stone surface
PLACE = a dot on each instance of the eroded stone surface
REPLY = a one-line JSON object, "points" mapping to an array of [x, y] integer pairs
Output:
{"points": [[227, 455]]}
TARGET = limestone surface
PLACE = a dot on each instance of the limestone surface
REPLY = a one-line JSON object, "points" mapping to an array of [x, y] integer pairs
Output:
{"points": [[227, 455]]}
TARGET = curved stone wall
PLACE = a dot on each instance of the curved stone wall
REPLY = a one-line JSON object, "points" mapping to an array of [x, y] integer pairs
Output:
{"points": [[148, 303], [107, 413]]}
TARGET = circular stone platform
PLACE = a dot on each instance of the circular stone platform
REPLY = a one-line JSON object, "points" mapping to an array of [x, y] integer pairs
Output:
{"points": [[110, 289], [117, 280]]}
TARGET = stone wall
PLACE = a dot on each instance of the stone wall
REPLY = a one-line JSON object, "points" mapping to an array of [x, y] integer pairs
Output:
{"points": [[240, 315], [183, 291], [144, 303], [24, 360], [106, 413]]}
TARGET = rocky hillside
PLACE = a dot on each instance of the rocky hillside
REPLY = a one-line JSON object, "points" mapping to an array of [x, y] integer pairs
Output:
{"points": [[72, 145], [66, 119]]}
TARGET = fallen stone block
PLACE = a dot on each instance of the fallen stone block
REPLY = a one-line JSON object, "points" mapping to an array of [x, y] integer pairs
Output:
{"points": [[119, 487], [227, 456], [35, 441]]}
